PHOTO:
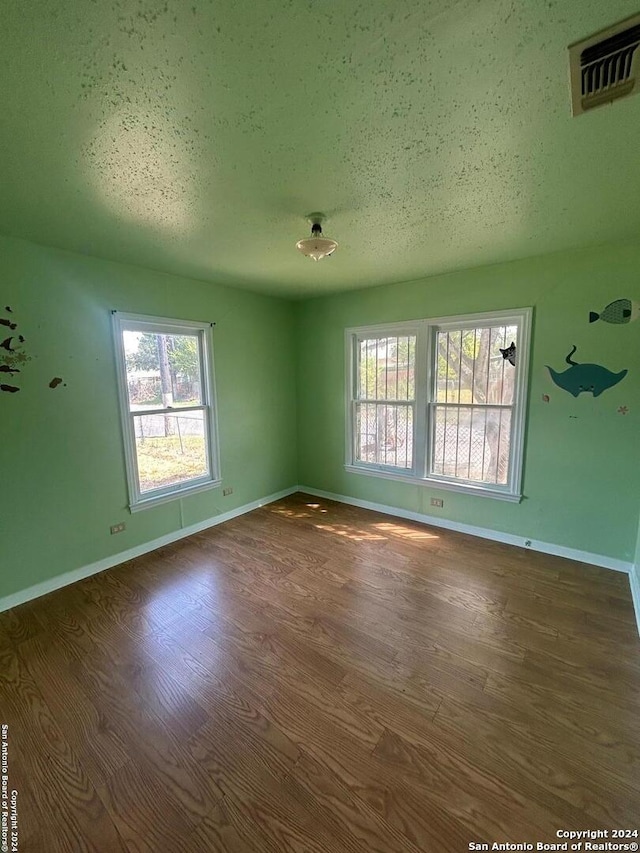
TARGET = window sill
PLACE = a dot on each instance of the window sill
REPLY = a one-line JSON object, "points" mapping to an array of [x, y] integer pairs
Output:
{"points": [[433, 482], [156, 500]]}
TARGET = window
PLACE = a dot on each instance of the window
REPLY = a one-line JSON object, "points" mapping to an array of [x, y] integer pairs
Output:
{"points": [[437, 401], [384, 404], [167, 401]]}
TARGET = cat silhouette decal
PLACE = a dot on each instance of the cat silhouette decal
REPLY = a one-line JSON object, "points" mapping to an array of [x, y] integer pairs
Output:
{"points": [[509, 354], [592, 378]]}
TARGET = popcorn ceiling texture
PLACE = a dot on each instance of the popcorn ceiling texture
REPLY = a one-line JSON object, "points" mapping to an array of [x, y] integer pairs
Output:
{"points": [[193, 137]]}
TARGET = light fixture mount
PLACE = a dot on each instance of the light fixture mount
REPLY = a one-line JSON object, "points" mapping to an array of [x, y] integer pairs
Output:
{"points": [[316, 246]]}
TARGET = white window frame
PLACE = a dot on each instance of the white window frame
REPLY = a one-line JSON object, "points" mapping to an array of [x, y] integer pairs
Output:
{"points": [[163, 325], [425, 331]]}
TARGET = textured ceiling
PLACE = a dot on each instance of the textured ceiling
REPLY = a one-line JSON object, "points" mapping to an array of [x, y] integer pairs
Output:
{"points": [[194, 136]]}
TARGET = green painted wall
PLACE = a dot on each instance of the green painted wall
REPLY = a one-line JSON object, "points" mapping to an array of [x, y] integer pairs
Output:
{"points": [[582, 463], [61, 457]]}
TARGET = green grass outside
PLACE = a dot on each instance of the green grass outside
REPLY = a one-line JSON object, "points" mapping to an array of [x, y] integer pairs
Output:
{"points": [[162, 461]]}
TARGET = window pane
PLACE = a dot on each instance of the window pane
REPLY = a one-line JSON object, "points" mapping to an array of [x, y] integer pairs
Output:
{"points": [[472, 443], [386, 368], [471, 368], [162, 370], [384, 434], [170, 448]]}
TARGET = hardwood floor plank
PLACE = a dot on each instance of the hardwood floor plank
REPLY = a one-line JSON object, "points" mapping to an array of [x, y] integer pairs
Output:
{"points": [[425, 823], [37, 827], [148, 818], [152, 744], [202, 673], [383, 708], [100, 750], [584, 658], [62, 788], [478, 799], [20, 624], [594, 677], [217, 834], [127, 717], [568, 712], [332, 745], [547, 769], [438, 598], [255, 798], [342, 811], [574, 571], [311, 598]]}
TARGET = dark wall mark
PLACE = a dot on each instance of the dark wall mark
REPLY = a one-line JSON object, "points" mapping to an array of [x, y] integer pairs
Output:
{"points": [[592, 378], [11, 353], [6, 343]]}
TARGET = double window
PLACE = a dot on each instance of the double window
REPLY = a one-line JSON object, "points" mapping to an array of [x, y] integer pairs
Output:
{"points": [[167, 402], [441, 401]]}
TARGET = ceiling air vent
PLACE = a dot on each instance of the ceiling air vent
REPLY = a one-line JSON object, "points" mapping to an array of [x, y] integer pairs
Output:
{"points": [[605, 66]]}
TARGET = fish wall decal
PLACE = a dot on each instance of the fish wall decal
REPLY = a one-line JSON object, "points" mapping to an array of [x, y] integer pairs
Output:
{"points": [[620, 311], [592, 378]]}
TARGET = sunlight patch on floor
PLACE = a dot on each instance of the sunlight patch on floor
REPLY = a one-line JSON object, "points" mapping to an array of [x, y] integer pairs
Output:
{"points": [[279, 509], [350, 532], [290, 513], [405, 532]]}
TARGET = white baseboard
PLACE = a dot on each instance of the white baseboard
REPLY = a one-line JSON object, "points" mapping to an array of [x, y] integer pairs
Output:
{"points": [[67, 578], [634, 580], [483, 532]]}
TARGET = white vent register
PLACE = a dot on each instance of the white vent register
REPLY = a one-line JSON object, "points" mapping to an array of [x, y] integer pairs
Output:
{"points": [[605, 66]]}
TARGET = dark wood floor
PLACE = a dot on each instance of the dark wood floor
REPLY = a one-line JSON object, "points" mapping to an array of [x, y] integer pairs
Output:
{"points": [[315, 677]]}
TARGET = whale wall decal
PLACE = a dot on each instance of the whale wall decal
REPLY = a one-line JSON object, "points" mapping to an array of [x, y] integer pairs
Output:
{"points": [[592, 378]]}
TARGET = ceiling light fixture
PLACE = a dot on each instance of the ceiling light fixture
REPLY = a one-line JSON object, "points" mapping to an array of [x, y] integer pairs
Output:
{"points": [[316, 246]]}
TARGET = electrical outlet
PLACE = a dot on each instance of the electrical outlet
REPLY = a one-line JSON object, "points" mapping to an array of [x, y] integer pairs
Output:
{"points": [[117, 528], [437, 502], [227, 491]]}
